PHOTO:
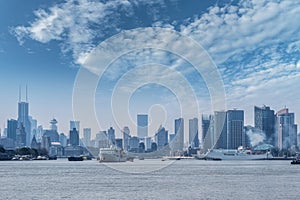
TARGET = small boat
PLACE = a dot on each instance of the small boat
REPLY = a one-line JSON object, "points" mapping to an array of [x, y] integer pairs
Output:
{"points": [[52, 158], [75, 158], [296, 160], [171, 158]]}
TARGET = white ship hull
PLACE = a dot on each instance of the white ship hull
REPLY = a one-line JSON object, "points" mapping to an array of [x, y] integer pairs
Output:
{"points": [[226, 154], [112, 155]]}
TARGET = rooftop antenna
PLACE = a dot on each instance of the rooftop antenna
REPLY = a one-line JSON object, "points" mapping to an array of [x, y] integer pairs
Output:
{"points": [[26, 94], [19, 93]]}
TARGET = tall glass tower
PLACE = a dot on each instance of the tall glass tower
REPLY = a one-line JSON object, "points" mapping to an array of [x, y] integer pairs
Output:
{"points": [[23, 117], [142, 125]]}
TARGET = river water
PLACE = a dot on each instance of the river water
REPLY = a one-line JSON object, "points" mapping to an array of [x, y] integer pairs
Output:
{"points": [[149, 179]]}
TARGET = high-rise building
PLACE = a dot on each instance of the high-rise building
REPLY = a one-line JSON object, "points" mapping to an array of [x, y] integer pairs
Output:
{"points": [[235, 129], [63, 140], [286, 129], [161, 138], [193, 133], [134, 144], [111, 135], [74, 137], [207, 132], [20, 136], [33, 126], [142, 125], [178, 141], [87, 132], [220, 139], [12, 126], [126, 138], [119, 143], [264, 120], [23, 119]]}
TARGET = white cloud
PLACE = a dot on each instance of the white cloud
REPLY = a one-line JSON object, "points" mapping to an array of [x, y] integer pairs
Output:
{"points": [[77, 23], [226, 31]]}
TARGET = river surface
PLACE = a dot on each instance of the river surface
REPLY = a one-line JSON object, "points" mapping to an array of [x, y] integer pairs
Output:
{"points": [[149, 179]]}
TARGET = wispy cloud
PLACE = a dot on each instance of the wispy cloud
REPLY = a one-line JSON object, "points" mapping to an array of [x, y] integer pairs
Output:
{"points": [[79, 25]]}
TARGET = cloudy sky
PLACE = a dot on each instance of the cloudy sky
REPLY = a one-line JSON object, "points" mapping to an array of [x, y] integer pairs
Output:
{"points": [[102, 62]]}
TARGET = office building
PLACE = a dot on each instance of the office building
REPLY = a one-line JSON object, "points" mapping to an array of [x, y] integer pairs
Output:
{"points": [[111, 136], [12, 126], [235, 129], [87, 133], [74, 137], [178, 141], [126, 138], [286, 129], [220, 139], [264, 120], [142, 125], [161, 138], [207, 132], [193, 133]]}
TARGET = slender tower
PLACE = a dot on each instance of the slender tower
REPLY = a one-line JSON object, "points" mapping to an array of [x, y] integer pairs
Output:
{"points": [[23, 118]]}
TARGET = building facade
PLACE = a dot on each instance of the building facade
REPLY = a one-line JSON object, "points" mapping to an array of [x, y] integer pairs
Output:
{"points": [[264, 120], [142, 125], [193, 133]]}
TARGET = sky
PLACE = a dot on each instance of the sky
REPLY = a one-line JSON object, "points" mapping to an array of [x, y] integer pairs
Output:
{"points": [[103, 62]]}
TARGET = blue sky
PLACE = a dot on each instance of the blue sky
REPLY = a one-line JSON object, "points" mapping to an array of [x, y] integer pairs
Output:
{"points": [[254, 44]]}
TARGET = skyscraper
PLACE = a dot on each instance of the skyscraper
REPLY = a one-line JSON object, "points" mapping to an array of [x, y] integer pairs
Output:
{"points": [[235, 129], [126, 138], [207, 132], [63, 140], [193, 133], [23, 118], [21, 136], [111, 135], [161, 138], [87, 132], [286, 129], [12, 126], [178, 141], [142, 125], [74, 137], [264, 120], [220, 130]]}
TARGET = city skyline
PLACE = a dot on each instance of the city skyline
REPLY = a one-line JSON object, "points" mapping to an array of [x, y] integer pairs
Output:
{"points": [[262, 68]]}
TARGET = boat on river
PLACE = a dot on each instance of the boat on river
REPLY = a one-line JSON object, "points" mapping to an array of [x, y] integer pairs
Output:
{"points": [[236, 154], [112, 154]]}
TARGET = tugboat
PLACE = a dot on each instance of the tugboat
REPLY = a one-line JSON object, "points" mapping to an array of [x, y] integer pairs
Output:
{"points": [[296, 160]]}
